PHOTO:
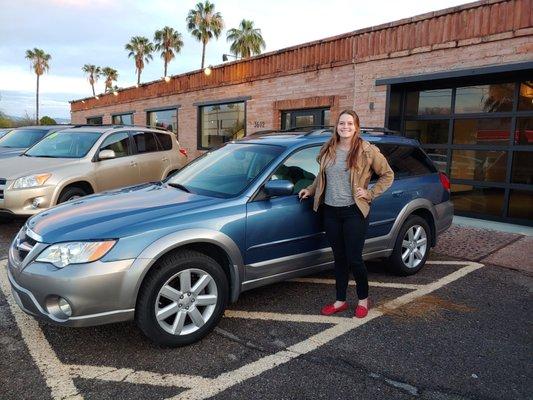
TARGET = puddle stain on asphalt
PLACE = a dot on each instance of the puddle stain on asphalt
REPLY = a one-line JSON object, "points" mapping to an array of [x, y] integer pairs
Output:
{"points": [[425, 307]]}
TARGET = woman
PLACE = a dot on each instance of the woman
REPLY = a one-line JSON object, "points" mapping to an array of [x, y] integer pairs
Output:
{"points": [[346, 166]]}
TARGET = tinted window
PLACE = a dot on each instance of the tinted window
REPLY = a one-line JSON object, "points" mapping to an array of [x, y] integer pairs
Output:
{"points": [[145, 142], [95, 121], [164, 118], [22, 138], [118, 142], [221, 123], [123, 119], [406, 161], [300, 168], [164, 140]]}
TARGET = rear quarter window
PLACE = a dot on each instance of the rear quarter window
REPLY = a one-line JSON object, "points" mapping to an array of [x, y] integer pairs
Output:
{"points": [[406, 161], [164, 140]]}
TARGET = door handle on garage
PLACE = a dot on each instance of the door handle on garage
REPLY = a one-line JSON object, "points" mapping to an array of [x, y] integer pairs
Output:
{"points": [[397, 193]]}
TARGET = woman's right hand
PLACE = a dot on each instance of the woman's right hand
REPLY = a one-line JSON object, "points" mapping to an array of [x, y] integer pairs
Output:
{"points": [[304, 194]]}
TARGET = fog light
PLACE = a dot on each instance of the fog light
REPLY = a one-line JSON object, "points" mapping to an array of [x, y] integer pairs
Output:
{"points": [[37, 202], [64, 306]]}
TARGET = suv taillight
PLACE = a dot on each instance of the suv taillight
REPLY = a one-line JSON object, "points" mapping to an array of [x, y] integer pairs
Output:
{"points": [[183, 151], [444, 180]]}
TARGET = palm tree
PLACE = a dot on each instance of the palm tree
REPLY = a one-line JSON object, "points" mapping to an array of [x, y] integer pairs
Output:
{"points": [[39, 60], [141, 49], [93, 73], [110, 75], [246, 40], [168, 41], [204, 23]]}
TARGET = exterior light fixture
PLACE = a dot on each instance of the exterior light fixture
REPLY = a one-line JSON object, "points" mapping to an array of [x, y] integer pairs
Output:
{"points": [[208, 70], [167, 79], [225, 57], [83, 101], [115, 93], [96, 97], [136, 85]]}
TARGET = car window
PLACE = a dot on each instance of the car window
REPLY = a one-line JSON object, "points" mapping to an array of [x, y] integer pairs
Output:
{"points": [[227, 171], [405, 161], [65, 144], [118, 142], [145, 142], [22, 138], [300, 168], [164, 140]]}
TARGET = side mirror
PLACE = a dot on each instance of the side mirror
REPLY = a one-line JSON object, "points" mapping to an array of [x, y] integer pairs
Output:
{"points": [[106, 155], [279, 188]]}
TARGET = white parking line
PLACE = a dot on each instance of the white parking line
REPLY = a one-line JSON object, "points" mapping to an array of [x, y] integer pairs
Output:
{"points": [[352, 283], [55, 373], [58, 376], [111, 374], [229, 379]]}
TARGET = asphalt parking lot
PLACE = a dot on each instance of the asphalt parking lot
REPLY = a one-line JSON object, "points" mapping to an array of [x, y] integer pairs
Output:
{"points": [[460, 329]]}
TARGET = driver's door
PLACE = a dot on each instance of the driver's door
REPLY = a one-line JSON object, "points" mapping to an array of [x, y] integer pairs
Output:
{"points": [[282, 233]]}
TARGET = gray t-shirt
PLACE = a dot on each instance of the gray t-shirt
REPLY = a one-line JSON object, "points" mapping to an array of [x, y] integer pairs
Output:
{"points": [[338, 186]]}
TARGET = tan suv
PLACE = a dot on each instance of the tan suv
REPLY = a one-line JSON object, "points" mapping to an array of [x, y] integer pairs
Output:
{"points": [[80, 161]]}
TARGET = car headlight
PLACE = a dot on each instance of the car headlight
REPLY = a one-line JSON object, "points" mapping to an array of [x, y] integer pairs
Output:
{"points": [[31, 181], [63, 254]]}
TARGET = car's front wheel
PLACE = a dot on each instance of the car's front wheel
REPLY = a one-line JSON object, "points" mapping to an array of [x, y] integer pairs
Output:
{"points": [[182, 299], [412, 246]]}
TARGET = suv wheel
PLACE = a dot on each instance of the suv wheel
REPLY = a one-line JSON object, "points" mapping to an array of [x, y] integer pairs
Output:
{"points": [[412, 246], [182, 299], [71, 193]]}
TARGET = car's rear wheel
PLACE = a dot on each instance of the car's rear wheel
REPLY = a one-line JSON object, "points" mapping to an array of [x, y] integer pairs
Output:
{"points": [[412, 246], [182, 299], [71, 193]]}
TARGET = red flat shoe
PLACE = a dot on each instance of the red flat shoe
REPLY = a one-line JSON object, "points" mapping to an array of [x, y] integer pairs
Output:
{"points": [[361, 312], [330, 309]]}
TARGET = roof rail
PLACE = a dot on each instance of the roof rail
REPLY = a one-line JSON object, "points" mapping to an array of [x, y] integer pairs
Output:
{"points": [[319, 129], [123, 126], [379, 130]]}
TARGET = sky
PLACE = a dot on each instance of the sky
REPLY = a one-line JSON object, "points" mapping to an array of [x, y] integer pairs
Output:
{"points": [[78, 32]]}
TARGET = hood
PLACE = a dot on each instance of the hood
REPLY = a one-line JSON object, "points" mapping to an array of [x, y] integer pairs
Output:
{"points": [[16, 167], [10, 152], [116, 214]]}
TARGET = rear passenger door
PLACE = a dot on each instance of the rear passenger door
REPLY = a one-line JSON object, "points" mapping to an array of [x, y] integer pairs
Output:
{"points": [[120, 171], [150, 157], [410, 166]]}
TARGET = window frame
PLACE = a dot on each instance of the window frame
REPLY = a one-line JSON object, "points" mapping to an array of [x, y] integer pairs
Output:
{"points": [[200, 106]]}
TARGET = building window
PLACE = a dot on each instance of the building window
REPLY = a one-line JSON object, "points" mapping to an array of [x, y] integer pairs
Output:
{"points": [[220, 123], [94, 121], [167, 119], [122, 119], [480, 134], [305, 118]]}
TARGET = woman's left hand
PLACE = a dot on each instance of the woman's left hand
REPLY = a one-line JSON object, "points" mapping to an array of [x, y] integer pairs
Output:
{"points": [[361, 193]]}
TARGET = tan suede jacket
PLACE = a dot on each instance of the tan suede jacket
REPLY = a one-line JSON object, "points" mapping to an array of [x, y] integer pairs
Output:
{"points": [[369, 160]]}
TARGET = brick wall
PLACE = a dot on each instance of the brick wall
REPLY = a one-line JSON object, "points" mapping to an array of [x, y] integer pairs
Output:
{"points": [[345, 86]]}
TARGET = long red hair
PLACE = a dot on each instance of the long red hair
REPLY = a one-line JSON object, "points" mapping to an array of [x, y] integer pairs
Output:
{"points": [[330, 150]]}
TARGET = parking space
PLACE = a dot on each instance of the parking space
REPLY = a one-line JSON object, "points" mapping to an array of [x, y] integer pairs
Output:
{"points": [[441, 334]]}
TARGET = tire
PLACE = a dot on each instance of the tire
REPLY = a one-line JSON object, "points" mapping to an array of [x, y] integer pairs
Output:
{"points": [[165, 291], [408, 256], [70, 194]]}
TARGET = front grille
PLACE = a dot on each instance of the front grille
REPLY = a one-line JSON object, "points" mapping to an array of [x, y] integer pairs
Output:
{"points": [[23, 245], [1, 194], [2, 186], [3, 181]]}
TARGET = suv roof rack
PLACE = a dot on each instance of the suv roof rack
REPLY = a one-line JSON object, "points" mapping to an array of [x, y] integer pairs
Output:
{"points": [[319, 129], [122, 126]]}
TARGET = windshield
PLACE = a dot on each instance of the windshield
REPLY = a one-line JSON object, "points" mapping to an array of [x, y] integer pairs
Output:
{"points": [[226, 172], [22, 138], [64, 144]]}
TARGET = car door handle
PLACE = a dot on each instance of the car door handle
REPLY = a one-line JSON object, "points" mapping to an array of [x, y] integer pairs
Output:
{"points": [[133, 163], [397, 193], [165, 159]]}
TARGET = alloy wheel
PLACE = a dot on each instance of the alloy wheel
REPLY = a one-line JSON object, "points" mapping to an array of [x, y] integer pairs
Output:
{"points": [[186, 302], [414, 246]]}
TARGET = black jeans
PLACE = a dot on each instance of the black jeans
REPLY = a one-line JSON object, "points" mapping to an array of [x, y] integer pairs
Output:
{"points": [[345, 229]]}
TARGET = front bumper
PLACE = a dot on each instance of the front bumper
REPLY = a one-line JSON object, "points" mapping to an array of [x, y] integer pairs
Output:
{"points": [[95, 291], [20, 201]]}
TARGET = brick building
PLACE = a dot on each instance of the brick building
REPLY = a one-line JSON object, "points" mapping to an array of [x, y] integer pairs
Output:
{"points": [[460, 80]]}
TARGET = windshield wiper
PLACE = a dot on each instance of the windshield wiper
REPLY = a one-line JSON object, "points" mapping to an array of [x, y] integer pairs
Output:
{"points": [[179, 186]]}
